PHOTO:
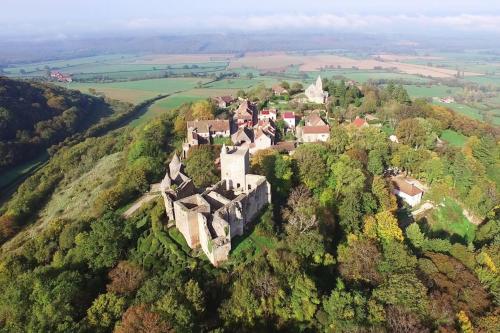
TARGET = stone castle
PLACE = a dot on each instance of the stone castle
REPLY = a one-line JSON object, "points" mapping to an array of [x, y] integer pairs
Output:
{"points": [[210, 218]]}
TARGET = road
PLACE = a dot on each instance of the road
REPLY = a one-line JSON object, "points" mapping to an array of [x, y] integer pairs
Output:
{"points": [[141, 201]]}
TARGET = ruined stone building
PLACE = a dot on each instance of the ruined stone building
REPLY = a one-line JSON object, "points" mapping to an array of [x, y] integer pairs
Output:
{"points": [[210, 218]]}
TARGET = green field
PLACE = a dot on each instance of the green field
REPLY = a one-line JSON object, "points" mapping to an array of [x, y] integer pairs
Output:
{"points": [[454, 138], [448, 218], [431, 91], [138, 91], [363, 76]]}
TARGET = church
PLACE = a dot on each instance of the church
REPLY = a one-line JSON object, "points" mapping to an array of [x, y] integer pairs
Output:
{"points": [[315, 93]]}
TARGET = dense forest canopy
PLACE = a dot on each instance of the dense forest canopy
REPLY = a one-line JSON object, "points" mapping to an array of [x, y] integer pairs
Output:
{"points": [[335, 251], [35, 116]]}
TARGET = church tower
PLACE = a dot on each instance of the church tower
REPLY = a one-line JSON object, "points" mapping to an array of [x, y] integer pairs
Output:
{"points": [[234, 163]]}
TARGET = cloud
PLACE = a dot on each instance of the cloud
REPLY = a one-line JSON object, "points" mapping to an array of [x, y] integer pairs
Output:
{"points": [[490, 23], [284, 22]]}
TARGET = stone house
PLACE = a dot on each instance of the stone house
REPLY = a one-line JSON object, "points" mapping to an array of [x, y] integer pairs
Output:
{"points": [[315, 129], [224, 101], [278, 90], [314, 133], [200, 132], [245, 114]]}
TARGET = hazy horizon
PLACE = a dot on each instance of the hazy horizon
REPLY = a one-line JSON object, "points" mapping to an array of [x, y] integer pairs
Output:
{"points": [[59, 19]]}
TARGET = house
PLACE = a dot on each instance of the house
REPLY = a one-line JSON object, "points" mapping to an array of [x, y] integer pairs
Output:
{"points": [[210, 218], [447, 100], [315, 93], [266, 114], [314, 119], [245, 114], [242, 136], [61, 77], [407, 190], [289, 119], [211, 128], [262, 140], [360, 123], [224, 101], [201, 132], [278, 90], [261, 136], [314, 133]]}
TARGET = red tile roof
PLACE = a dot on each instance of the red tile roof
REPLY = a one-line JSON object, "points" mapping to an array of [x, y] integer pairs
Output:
{"points": [[358, 122], [403, 186]]}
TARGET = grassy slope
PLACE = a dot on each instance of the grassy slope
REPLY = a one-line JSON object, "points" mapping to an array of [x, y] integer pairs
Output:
{"points": [[76, 198]]}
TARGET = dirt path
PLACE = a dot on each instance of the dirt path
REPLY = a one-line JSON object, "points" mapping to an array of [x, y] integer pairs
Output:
{"points": [[142, 200]]}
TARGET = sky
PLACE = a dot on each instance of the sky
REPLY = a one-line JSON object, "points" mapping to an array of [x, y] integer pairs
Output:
{"points": [[76, 18]]}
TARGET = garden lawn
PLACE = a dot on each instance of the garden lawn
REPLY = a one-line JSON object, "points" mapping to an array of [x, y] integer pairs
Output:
{"points": [[454, 138], [449, 218]]}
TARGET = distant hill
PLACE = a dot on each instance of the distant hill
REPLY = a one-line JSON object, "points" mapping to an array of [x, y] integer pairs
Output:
{"points": [[35, 116]]}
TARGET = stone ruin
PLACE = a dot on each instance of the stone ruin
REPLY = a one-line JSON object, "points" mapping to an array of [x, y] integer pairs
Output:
{"points": [[210, 218]]}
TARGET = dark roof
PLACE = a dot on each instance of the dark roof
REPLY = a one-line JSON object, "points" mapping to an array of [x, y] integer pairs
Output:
{"points": [[204, 126]]}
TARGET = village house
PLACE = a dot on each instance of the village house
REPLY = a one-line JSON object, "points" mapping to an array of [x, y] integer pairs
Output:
{"points": [[289, 119], [224, 101], [61, 77], [315, 129], [360, 123], [315, 133], [210, 218], [200, 132], [262, 136], [266, 114], [315, 93], [314, 119], [407, 190], [278, 90], [245, 114]]}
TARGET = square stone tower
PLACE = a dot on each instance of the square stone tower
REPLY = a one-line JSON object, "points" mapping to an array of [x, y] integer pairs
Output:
{"points": [[234, 162]]}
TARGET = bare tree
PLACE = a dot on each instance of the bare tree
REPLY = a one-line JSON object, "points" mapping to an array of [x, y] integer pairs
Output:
{"points": [[300, 211]]}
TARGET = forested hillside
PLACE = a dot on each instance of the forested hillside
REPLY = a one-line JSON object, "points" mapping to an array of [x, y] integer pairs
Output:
{"points": [[335, 252], [34, 116]]}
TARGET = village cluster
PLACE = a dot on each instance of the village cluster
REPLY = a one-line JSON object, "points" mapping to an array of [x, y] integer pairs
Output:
{"points": [[210, 218]]}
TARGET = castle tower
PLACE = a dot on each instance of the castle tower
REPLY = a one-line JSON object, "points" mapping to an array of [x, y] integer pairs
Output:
{"points": [[174, 166], [234, 162]]}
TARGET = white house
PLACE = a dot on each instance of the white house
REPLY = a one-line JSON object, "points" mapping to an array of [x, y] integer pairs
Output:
{"points": [[289, 118], [266, 114], [407, 190]]}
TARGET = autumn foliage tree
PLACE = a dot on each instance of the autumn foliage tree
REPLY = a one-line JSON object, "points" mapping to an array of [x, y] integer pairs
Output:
{"points": [[140, 319], [125, 278]]}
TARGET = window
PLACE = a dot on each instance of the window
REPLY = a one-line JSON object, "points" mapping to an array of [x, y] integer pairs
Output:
{"points": [[238, 185], [249, 186]]}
